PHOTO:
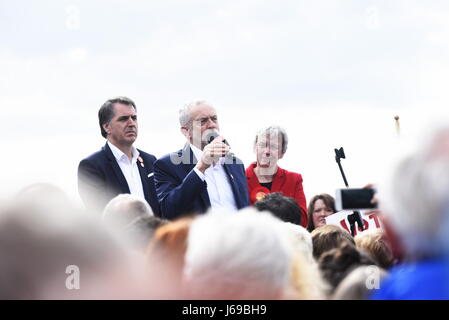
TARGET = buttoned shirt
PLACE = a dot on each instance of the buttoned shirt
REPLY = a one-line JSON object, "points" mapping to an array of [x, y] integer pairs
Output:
{"points": [[129, 169], [218, 186]]}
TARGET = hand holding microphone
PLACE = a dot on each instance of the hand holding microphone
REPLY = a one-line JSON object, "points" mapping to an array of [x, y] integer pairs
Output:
{"points": [[216, 148]]}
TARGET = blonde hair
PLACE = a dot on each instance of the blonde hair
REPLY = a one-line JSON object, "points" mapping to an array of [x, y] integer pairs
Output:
{"points": [[377, 247]]}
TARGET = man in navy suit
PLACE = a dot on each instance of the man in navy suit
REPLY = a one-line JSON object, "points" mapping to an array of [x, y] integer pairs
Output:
{"points": [[202, 174], [118, 167]]}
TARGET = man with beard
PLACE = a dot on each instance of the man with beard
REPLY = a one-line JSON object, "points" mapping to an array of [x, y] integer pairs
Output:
{"points": [[204, 173], [118, 167]]}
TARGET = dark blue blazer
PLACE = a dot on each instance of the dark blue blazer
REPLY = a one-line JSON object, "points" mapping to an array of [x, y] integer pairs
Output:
{"points": [[100, 179], [180, 191]]}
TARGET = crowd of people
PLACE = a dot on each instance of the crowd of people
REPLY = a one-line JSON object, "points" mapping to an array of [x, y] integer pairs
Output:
{"points": [[195, 224]]}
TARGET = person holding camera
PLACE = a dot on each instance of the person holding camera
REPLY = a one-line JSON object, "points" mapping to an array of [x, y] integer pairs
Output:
{"points": [[265, 176]]}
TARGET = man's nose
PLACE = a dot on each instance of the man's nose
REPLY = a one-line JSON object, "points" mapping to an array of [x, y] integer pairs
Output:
{"points": [[131, 122], [211, 124]]}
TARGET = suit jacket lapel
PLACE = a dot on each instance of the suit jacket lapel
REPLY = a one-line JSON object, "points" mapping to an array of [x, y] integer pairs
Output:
{"points": [[189, 162], [116, 169], [231, 177], [143, 171]]}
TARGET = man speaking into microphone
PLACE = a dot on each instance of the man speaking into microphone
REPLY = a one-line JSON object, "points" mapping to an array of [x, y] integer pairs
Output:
{"points": [[205, 173]]}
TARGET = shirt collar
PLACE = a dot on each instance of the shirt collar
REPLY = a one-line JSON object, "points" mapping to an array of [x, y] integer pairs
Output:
{"points": [[119, 155], [196, 152]]}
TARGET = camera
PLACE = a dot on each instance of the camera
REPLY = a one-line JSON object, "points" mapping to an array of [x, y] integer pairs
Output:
{"points": [[355, 199]]}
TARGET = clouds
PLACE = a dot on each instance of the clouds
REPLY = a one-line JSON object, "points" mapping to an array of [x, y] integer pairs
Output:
{"points": [[333, 73]]}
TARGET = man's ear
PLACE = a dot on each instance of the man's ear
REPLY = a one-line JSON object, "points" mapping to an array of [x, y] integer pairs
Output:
{"points": [[106, 127], [185, 131], [281, 155]]}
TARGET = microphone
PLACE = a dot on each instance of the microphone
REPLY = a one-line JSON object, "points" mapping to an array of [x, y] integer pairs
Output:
{"points": [[215, 134]]}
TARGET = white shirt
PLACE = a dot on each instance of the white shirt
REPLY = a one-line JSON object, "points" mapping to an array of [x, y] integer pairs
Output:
{"points": [[129, 169], [218, 186]]}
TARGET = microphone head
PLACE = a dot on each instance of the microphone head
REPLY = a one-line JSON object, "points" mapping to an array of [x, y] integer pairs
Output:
{"points": [[212, 136]]}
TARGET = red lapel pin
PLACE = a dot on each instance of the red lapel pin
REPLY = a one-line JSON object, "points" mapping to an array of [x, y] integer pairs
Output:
{"points": [[141, 161]]}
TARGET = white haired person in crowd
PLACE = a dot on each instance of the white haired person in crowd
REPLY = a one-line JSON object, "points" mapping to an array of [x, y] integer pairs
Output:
{"points": [[306, 279], [251, 255], [415, 205], [241, 256], [132, 216]]}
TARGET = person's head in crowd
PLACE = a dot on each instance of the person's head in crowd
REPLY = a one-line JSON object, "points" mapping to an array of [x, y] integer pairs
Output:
{"points": [[376, 245], [132, 216], [329, 237], [124, 209], [165, 257], [198, 120], [320, 207], [301, 240], [117, 118], [237, 256], [360, 283], [284, 208], [306, 279], [270, 145], [56, 252], [414, 200], [43, 196], [141, 231], [337, 263]]}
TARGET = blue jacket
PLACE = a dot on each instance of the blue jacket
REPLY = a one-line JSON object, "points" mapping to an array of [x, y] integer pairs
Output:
{"points": [[180, 191], [100, 179], [422, 280]]}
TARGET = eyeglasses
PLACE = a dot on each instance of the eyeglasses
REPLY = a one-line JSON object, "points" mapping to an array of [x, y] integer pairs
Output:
{"points": [[203, 121]]}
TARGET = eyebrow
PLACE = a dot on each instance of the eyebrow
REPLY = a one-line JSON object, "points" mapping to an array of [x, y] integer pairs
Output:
{"points": [[205, 118], [126, 117]]}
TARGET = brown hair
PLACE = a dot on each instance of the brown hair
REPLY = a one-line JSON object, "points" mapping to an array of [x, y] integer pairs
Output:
{"points": [[329, 237], [377, 246], [338, 262], [328, 201]]}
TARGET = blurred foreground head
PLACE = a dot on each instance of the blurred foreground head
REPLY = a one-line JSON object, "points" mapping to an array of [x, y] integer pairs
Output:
{"points": [[237, 256], [49, 250], [165, 258], [131, 216], [415, 201]]}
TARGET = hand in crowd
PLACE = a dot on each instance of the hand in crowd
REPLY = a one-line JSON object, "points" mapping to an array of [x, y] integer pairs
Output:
{"points": [[212, 152], [374, 200]]}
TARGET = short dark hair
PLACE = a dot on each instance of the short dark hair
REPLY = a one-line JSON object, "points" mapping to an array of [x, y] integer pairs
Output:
{"points": [[337, 263], [329, 202], [284, 208], [106, 112]]}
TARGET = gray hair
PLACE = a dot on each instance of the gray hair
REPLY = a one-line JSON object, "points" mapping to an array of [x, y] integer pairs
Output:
{"points": [[246, 256], [124, 209], [276, 130], [301, 240], [415, 199], [184, 113]]}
